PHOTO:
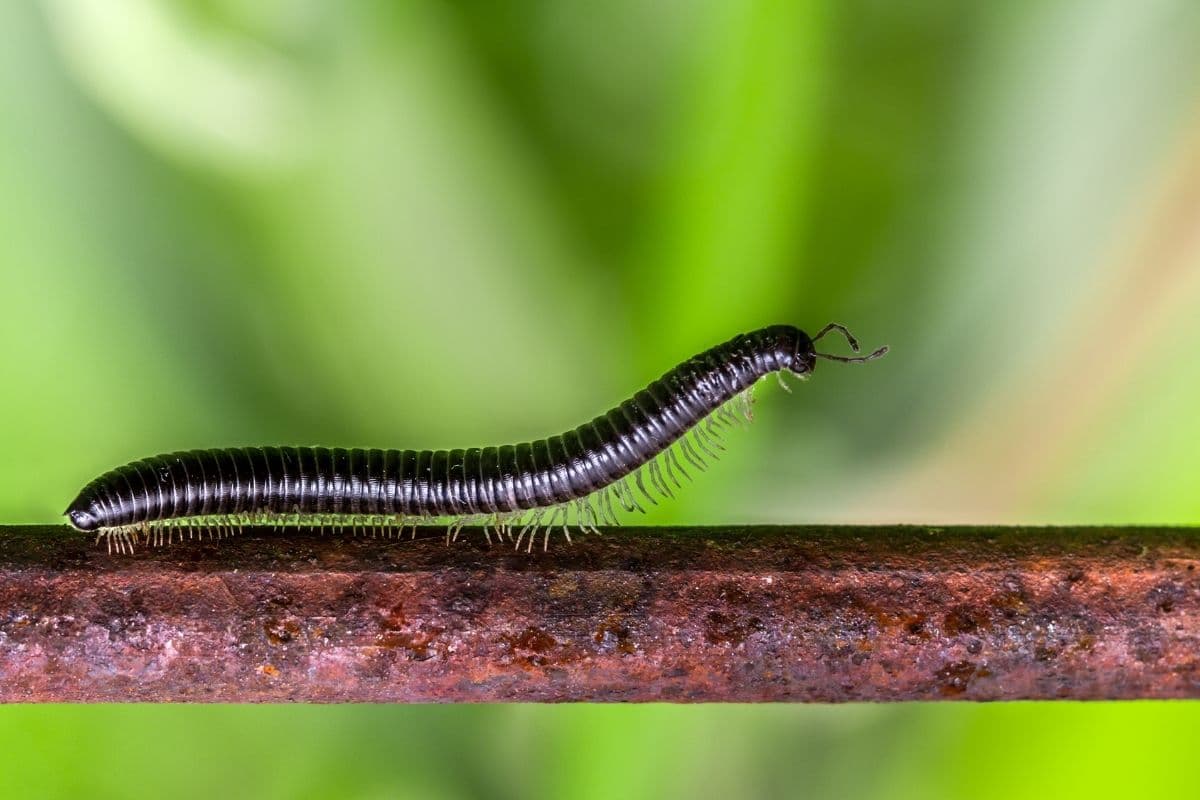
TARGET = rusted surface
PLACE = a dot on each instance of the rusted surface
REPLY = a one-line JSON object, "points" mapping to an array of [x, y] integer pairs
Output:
{"points": [[748, 614]]}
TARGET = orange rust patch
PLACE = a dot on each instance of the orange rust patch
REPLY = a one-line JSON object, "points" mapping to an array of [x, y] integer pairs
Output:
{"points": [[281, 631], [531, 647], [614, 634]]}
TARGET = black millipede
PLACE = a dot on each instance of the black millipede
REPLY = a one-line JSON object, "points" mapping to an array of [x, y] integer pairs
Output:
{"points": [[574, 479]]}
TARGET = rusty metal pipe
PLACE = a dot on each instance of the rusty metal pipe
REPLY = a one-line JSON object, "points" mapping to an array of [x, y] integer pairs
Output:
{"points": [[697, 614]]}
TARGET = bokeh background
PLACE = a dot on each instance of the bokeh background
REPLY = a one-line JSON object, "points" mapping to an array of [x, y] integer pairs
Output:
{"points": [[424, 224]]}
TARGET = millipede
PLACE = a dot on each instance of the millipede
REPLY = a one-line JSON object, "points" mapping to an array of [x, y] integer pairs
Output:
{"points": [[642, 449]]}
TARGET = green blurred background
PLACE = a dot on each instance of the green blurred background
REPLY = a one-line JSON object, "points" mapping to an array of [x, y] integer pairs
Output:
{"points": [[418, 224]]}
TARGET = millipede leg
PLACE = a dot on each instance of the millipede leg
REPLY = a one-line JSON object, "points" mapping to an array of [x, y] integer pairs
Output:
{"points": [[656, 478], [712, 434], [685, 447], [630, 496], [639, 478], [699, 440], [672, 456], [668, 470], [608, 507], [727, 416], [534, 524], [559, 518], [616, 489]]}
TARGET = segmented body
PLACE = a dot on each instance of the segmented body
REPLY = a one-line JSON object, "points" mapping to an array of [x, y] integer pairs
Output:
{"points": [[573, 478]]}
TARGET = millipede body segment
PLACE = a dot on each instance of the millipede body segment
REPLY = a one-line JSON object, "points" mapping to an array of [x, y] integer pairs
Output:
{"points": [[651, 440]]}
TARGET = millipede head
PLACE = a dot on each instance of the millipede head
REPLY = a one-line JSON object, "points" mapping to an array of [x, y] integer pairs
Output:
{"points": [[791, 347]]}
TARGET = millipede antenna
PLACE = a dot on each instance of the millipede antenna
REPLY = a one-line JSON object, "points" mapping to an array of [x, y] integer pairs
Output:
{"points": [[855, 359], [853, 342]]}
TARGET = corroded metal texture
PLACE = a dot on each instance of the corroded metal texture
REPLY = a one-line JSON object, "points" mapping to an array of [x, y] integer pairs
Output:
{"points": [[700, 614]]}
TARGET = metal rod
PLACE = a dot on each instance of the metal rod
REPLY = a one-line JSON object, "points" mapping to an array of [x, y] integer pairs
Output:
{"points": [[641, 614]]}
